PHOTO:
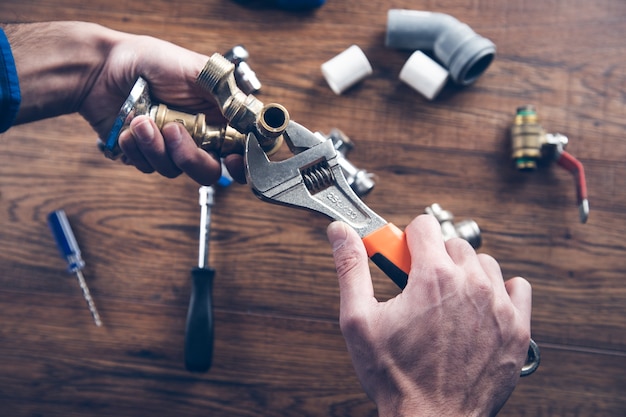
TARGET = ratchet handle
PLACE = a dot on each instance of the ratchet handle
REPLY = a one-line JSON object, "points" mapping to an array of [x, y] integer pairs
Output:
{"points": [[199, 328], [388, 249]]}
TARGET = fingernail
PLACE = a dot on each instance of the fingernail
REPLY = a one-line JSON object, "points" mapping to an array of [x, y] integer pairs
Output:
{"points": [[142, 129], [173, 133], [337, 234]]}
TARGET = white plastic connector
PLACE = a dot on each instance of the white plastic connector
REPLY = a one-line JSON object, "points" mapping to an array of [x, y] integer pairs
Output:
{"points": [[423, 74], [346, 69]]}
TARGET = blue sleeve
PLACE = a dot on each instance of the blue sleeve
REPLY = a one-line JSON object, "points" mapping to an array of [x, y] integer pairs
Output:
{"points": [[10, 97]]}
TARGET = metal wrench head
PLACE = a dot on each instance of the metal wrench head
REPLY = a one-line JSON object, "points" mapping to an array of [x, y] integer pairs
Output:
{"points": [[311, 179]]}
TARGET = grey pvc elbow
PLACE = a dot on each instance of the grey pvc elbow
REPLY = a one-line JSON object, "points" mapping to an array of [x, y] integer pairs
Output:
{"points": [[462, 51]]}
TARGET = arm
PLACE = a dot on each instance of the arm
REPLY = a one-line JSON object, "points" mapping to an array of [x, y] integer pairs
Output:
{"points": [[57, 64], [451, 344], [67, 67]]}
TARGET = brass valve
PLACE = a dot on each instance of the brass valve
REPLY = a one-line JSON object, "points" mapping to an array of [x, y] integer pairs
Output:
{"points": [[531, 144]]}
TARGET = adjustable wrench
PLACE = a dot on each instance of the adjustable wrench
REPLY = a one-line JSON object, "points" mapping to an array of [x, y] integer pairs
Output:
{"points": [[313, 179]]}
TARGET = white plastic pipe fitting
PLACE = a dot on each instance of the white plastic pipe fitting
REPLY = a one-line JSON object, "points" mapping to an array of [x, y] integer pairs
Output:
{"points": [[424, 74], [346, 69], [464, 53]]}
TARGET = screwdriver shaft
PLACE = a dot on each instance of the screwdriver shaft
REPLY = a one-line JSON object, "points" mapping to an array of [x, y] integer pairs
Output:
{"points": [[87, 295], [206, 202]]}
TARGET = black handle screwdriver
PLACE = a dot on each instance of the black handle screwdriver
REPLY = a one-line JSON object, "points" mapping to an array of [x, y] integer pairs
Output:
{"points": [[66, 242], [199, 328]]}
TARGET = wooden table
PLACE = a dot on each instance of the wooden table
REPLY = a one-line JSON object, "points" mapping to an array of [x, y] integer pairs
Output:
{"points": [[278, 348]]}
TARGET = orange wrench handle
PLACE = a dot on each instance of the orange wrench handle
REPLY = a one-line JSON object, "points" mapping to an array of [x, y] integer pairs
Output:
{"points": [[388, 249]]}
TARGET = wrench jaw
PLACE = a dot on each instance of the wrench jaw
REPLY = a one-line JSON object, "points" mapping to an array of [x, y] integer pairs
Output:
{"points": [[311, 179]]}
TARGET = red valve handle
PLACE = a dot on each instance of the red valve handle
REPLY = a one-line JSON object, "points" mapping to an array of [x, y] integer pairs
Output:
{"points": [[573, 165]]}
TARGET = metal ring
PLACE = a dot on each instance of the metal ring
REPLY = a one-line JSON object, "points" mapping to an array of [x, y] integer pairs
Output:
{"points": [[532, 359]]}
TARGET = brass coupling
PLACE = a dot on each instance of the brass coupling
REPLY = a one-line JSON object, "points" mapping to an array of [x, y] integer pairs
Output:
{"points": [[529, 141], [527, 138], [221, 140], [244, 112]]}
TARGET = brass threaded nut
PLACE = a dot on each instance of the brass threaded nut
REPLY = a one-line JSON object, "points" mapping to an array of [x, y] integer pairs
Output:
{"points": [[215, 69]]}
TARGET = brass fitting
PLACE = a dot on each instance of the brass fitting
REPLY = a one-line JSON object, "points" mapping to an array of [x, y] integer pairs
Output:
{"points": [[527, 138], [270, 125], [530, 142], [244, 112], [221, 140]]}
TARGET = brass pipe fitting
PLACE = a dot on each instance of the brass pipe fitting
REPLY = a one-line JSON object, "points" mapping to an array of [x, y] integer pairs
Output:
{"points": [[527, 139], [530, 142], [271, 123], [244, 112], [221, 140]]}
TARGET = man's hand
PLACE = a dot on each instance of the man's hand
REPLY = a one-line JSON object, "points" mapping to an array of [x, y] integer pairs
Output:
{"points": [[451, 344], [67, 67]]}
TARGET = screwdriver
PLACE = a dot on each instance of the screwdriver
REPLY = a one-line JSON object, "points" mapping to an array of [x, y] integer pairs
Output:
{"points": [[199, 328], [66, 242]]}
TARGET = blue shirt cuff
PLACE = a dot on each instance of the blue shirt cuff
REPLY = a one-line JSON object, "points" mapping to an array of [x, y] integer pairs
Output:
{"points": [[10, 97]]}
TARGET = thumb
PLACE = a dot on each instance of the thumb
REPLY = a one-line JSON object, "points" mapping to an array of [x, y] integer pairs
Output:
{"points": [[351, 262]]}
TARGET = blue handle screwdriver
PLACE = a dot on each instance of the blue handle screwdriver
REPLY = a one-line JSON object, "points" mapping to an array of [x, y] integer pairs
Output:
{"points": [[66, 242]]}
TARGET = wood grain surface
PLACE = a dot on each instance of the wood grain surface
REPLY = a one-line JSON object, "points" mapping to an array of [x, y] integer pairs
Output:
{"points": [[278, 348]]}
